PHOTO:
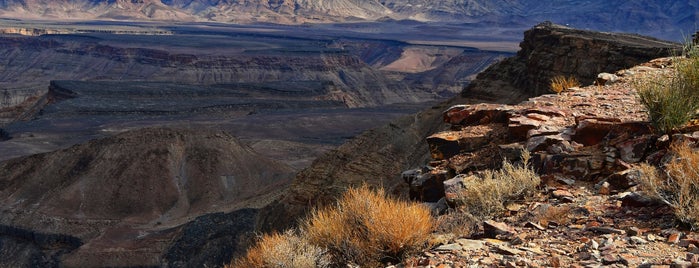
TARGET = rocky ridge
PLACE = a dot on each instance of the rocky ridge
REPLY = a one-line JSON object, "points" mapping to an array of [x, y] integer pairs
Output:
{"points": [[656, 17], [550, 49], [379, 156], [585, 142]]}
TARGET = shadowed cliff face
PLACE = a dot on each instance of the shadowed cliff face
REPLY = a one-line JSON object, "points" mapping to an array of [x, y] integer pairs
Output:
{"points": [[125, 195], [549, 50], [81, 58]]}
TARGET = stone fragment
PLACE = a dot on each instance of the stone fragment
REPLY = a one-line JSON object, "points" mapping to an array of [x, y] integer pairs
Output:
{"points": [[426, 185], [623, 180], [680, 264], [604, 189], [591, 131], [634, 150], [605, 230], [503, 249], [651, 237], [482, 113], [454, 187], [446, 144], [449, 247], [438, 207], [686, 242], [693, 249], [469, 244], [512, 151], [534, 250], [674, 238], [560, 193], [605, 79], [609, 259], [492, 229], [634, 231], [542, 143], [519, 126], [441, 239], [637, 240], [638, 200], [565, 180], [534, 225]]}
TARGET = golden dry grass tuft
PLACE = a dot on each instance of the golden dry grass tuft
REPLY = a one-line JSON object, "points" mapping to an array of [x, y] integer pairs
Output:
{"points": [[560, 83], [367, 228], [487, 197], [678, 185], [287, 250]]}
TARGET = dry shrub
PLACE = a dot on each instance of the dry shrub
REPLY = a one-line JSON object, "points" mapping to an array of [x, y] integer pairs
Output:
{"points": [[287, 250], [487, 197], [679, 185], [367, 228], [560, 83]]}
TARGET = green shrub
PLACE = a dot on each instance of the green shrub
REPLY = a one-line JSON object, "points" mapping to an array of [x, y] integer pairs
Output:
{"points": [[672, 100]]}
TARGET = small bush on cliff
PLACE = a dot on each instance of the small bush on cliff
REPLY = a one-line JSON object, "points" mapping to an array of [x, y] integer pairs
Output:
{"points": [[367, 228], [287, 250], [487, 197], [560, 83], [672, 100], [678, 185]]}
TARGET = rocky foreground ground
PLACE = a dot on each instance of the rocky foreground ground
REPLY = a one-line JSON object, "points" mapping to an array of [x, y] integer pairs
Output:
{"points": [[589, 212]]}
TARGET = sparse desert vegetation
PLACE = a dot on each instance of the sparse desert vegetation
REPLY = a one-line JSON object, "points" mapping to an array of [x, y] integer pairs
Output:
{"points": [[365, 227], [286, 250], [672, 100], [677, 183], [488, 197], [560, 83]]}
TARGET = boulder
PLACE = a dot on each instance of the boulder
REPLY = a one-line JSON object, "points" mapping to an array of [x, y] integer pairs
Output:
{"points": [[634, 150], [483, 113], [592, 131], [426, 185]]}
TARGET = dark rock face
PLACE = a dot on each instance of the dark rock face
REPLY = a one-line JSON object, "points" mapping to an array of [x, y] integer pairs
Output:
{"points": [[126, 196], [211, 240], [376, 157], [549, 50], [25, 248]]}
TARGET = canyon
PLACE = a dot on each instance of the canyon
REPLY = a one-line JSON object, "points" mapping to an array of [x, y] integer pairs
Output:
{"points": [[169, 133], [182, 191]]}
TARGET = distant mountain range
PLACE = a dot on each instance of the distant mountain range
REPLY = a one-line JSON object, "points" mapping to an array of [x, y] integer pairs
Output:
{"points": [[660, 18]]}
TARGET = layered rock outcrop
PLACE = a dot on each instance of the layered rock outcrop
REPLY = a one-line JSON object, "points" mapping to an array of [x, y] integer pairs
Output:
{"points": [[355, 83], [376, 157], [592, 134], [549, 50]]}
